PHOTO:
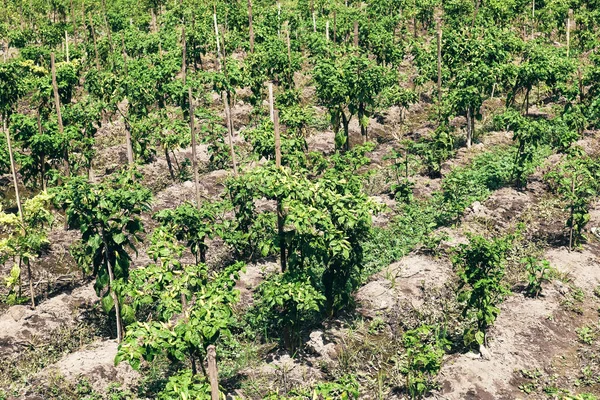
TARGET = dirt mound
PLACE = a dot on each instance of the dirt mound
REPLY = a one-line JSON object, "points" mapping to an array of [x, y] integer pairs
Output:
{"points": [[404, 280], [22, 325], [95, 363], [525, 336]]}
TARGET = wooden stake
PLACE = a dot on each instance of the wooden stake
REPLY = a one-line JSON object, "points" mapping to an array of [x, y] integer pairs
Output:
{"points": [[250, 26], [469, 127], [439, 61], [218, 42], [42, 158], [58, 113], [194, 157], [95, 44], [572, 212], [334, 27], [278, 19], [355, 33], [229, 130], [271, 103], [327, 30], [67, 45], [280, 226], [183, 56], [289, 48], [569, 19], [108, 31], [213, 372], [13, 170], [277, 139], [128, 143]]}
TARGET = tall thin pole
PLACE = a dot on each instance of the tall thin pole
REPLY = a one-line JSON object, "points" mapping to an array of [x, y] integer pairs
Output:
{"points": [[183, 56], [439, 61], [213, 372], [13, 170], [251, 28], [569, 19], [67, 45], [229, 130], [271, 102], [58, 113], [280, 220], [194, 157]]}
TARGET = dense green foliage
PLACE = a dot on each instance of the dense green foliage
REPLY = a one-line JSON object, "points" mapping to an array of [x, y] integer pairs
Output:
{"points": [[138, 83]]}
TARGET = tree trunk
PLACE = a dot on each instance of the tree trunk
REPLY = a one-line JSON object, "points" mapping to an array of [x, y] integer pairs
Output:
{"points": [[194, 157], [128, 143], [111, 279], [169, 164], [346, 123], [355, 33]]}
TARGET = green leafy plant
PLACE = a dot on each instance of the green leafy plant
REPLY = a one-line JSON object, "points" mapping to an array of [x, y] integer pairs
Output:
{"points": [[287, 303], [425, 348], [537, 273], [108, 216], [23, 239], [480, 267]]}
